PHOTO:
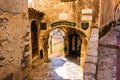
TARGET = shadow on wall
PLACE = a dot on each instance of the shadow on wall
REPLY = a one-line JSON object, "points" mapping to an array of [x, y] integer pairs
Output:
{"points": [[106, 29], [8, 77]]}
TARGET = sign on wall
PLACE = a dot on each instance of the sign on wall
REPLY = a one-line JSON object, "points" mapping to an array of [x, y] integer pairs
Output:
{"points": [[84, 25], [63, 23], [87, 11], [63, 16], [86, 18], [86, 14]]}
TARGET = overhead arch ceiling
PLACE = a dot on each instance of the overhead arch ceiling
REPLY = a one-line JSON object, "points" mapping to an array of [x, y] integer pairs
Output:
{"points": [[65, 29]]}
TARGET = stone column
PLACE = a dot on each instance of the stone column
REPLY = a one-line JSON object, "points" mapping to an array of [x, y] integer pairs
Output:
{"points": [[83, 52], [92, 56], [66, 45], [14, 39]]}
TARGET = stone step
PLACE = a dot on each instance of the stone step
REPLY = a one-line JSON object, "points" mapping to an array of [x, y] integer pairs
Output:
{"points": [[36, 64]]}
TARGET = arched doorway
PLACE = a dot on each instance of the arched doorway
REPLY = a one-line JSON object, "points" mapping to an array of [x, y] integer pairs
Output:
{"points": [[34, 38], [74, 43], [56, 43]]}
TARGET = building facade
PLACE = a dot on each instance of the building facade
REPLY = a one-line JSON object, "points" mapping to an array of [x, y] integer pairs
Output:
{"points": [[25, 28]]}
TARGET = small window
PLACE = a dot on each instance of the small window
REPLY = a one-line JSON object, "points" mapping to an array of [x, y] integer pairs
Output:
{"points": [[43, 26], [41, 54]]}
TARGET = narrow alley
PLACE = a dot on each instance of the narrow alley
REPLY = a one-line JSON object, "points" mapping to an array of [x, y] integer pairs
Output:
{"points": [[58, 69], [59, 39]]}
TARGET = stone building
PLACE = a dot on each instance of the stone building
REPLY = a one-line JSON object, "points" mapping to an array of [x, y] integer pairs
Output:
{"points": [[14, 39], [108, 61], [25, 32]]}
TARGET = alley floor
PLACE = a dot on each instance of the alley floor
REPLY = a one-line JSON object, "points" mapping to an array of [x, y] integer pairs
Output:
{"points": [[58, 68]]}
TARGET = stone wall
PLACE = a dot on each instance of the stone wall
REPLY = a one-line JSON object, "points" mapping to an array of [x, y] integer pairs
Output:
{"points": [[14, 39], [53, 8], [107, 61], [72, 8], [106, 12]]}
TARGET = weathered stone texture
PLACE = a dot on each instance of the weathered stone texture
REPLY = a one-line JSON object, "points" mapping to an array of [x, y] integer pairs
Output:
{"points": [[72, 8], [93, 45], [106, 12], [13, 29], [89, 77], [93, 52], [107, 63], [90, 68], [91, 59], [14, 6], [111, 39]]}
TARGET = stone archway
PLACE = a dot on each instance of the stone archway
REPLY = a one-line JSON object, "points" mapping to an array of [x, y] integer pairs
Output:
{"points": [[75, 42], [56, 43], [34, 39], [80, 33]]}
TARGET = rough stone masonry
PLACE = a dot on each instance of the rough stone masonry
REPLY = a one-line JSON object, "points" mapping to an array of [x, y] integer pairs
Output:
{"points": [[13, 30]]}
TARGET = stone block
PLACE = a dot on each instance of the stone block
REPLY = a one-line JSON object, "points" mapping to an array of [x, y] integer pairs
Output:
{"points": [[95, 35], [92, 52], [93, 45], [95, 31], [90, 68], [89, 77], [91, 59], [94, 38]]}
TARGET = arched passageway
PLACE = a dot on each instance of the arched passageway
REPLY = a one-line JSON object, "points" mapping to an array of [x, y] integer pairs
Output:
{"points": [[74, 43], [34, 38], [56, 43], [62, 66]]}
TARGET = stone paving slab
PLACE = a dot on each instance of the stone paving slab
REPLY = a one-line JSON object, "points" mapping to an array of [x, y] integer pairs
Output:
{"points": [[58, 69]]}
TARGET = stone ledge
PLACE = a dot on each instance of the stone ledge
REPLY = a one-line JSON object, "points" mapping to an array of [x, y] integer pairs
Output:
{"points": [[93, 45], [90, 68], [110, 46], [89, 77], [94, 38], [95, 31], [91, 59], [92, 52]]}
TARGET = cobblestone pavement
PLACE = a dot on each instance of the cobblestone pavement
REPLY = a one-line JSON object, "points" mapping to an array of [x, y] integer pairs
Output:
{"points": [[58, 69]]}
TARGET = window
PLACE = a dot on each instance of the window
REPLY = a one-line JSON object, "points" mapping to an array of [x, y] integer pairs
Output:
{"points": [[43, 26]]}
